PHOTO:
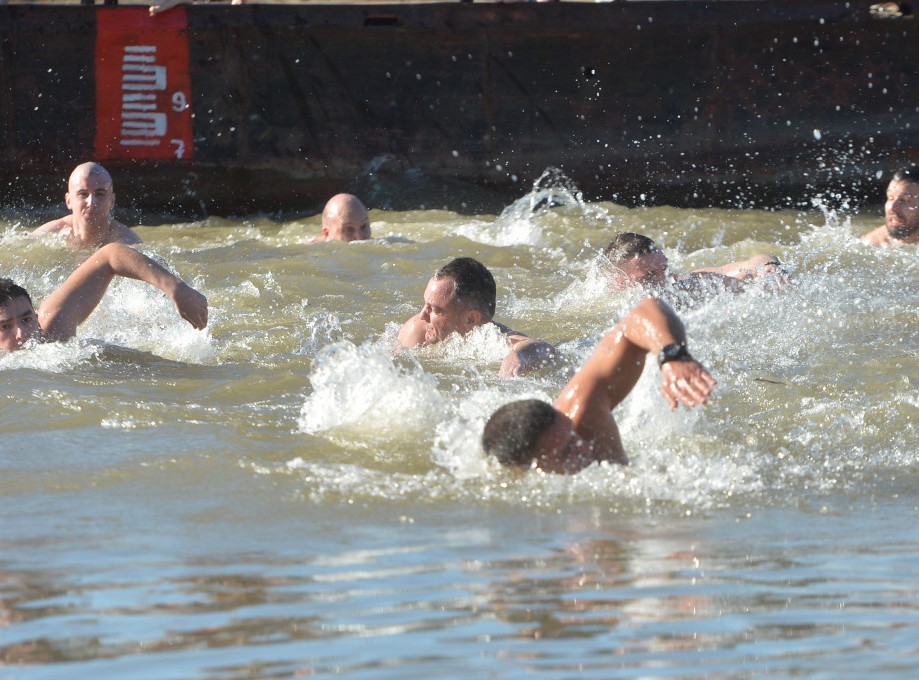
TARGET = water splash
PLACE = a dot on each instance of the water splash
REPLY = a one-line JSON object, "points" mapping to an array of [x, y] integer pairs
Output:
{"points": [[552, 203], [362, 389]]}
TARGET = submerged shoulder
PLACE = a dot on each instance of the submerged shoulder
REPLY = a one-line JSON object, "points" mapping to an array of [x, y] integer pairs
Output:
{"points": [[126, 235]]}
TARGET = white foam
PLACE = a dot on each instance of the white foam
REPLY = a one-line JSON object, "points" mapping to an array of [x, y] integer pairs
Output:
{"points": [[362, 389]]}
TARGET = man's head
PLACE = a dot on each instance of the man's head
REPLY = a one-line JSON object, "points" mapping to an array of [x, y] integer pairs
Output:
{"points": [[901, 210], [460, 296], [521, 432], [18, 321], [345, 218], [90, 193], [635, 260]]}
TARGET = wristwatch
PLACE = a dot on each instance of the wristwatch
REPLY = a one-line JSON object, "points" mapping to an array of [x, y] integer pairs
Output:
{"points": [[675, 351]]}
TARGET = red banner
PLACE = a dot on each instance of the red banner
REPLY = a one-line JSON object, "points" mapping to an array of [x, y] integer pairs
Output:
{"points": [[143, 88]]}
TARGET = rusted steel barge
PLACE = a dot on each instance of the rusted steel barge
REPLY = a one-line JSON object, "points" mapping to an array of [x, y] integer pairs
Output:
{"points": [[262, 108]]}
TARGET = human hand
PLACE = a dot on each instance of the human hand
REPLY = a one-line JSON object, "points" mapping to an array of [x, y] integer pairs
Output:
{"points": [[511, 366], [191, 304], [773, 275], [687, 382]]}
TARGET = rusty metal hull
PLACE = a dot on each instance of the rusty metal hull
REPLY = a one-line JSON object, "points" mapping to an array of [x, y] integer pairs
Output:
{"points": [[725, 102]]}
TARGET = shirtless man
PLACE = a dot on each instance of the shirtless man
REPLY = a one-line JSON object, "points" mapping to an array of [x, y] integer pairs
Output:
{"points": [[901, 211], [579, 429], [90, 197], [344, 218], [636, 260], [72, 303], [459, 297]]}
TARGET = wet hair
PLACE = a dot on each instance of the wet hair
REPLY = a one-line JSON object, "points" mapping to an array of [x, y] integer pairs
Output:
{"points": [[473, 284], [10, 290], [628, 245], [513, 430], [907, 174]]}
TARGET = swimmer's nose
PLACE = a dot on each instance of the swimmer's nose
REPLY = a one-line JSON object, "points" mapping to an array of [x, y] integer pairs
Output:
{"points": [[425, 314], [22, 334]]}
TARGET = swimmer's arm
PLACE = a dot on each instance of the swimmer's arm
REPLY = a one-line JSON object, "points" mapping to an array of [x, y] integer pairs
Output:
{"points": [[526, 354], [71, 304], [752, 267], [696, 280], [413, 332], [620, 356]]}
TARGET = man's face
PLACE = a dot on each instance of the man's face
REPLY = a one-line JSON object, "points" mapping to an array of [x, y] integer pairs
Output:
{"points": [[901, 211], [90, 196], [347, 227], [443, 314], [18, 323], [648, 270]]}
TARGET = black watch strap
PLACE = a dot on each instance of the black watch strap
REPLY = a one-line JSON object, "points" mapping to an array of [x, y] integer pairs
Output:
{"points": [[675, 351]]}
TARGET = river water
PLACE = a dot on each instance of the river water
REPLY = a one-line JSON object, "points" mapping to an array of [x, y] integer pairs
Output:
{"points": [[283, 496]]}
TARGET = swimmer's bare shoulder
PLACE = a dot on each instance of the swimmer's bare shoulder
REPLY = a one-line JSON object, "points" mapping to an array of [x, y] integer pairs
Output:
{"points": [[55, 226], [413, 331], [877, 237], [126, 235]]}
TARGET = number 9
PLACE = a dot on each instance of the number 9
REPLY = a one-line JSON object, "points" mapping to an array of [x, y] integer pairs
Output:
{"points": [[179, 102]]}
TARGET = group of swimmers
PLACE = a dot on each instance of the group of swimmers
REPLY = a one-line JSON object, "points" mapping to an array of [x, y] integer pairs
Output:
{"points": [[564, 437]]}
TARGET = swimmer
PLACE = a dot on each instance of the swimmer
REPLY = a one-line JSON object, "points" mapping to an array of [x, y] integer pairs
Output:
{"points": [[901, 211], [579, 429], [635, 260], [344, 218], [90, 197], [459, 297], [71, 304]]}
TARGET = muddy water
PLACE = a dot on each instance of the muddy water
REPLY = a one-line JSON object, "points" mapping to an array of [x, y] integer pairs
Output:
{"points": [[282, 496]]}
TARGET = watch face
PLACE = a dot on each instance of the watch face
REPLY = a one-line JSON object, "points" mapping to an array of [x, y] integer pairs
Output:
{"points": [[672, 352]]}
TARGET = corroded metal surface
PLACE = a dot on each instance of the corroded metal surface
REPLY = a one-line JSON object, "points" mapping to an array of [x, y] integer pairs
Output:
{"points": [[683, 102]]}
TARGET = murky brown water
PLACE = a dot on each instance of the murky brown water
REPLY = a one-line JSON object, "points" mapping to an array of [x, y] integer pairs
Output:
{"points": [[282, 496]]}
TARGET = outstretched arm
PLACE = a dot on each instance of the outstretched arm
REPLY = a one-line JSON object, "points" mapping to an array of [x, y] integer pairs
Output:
{"points": [[72, 303], [753, 267]]}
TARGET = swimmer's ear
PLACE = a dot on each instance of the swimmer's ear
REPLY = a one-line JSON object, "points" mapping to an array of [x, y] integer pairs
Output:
{"points": [[472, 318]]}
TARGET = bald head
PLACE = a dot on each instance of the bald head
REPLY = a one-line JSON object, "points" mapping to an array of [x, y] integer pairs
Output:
{"points": [[89, 171], [90, 196], [345, 218]]}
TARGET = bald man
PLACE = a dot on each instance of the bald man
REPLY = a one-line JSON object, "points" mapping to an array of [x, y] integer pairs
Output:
{"points": [[344, 218], [90, 197]]}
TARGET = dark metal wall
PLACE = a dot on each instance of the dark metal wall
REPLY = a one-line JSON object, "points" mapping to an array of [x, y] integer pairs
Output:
{"points": [[727, 102]]}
